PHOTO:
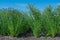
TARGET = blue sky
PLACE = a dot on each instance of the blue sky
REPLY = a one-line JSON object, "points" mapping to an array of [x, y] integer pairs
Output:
{"points": [[22, 4]]}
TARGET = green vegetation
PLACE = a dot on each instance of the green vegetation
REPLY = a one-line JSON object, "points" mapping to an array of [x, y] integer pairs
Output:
{"points": [[36, 21], [12, 22], [42, 23]]}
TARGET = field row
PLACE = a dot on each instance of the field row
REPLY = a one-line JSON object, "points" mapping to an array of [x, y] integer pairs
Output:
{"points": [[42, 23]]}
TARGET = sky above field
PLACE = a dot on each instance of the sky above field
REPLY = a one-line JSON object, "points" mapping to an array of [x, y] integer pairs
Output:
{"points": [[23, 4]]}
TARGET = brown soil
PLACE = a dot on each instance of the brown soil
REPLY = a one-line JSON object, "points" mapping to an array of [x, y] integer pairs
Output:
{"points": [[28, 38]]}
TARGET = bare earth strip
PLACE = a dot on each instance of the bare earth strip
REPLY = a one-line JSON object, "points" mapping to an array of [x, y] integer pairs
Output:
{"points": [[28, 38]]}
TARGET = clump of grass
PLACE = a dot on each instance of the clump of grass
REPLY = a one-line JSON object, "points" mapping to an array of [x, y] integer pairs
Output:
{"points": [[36, 21], [49, 22], [57, 19], [14, 21]]}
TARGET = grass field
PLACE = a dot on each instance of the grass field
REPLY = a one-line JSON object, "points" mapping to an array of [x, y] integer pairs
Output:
{"points": [[40, 23]]}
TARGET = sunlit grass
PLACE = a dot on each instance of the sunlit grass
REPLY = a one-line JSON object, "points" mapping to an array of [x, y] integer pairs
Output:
{"points": [[42, 23]]}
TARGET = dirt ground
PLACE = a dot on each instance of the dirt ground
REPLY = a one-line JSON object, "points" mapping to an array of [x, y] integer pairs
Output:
{"points": [[28, 38]]}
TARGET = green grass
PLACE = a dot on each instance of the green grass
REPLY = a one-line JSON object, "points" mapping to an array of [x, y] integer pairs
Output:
{"points": [[49, 22], [36, 21], [42, 23], [13, 23]]}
